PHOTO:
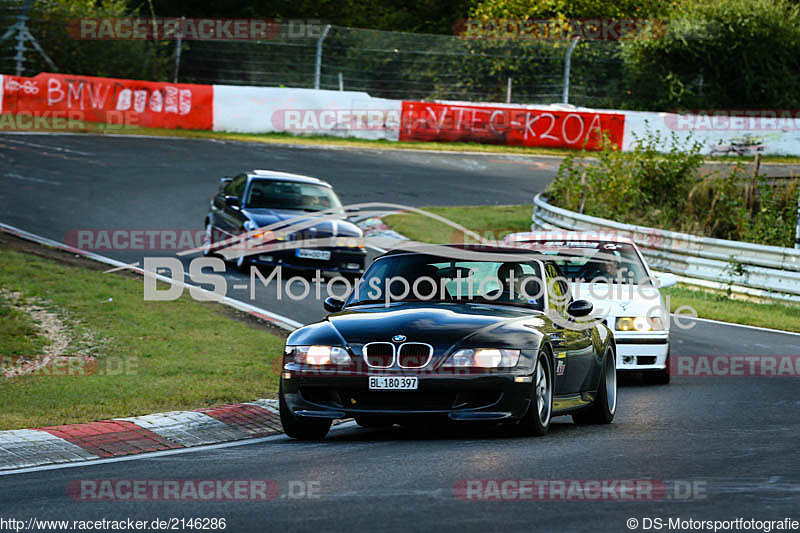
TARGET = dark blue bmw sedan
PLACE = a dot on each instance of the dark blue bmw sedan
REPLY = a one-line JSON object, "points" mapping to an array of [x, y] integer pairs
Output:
{"points": [[305, 225]]}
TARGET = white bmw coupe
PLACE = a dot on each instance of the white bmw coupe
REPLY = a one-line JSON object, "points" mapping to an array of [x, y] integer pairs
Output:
{"points": [[609, 271]]}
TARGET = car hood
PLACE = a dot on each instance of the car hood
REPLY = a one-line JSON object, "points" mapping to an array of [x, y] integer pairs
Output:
{"points": [[442, 325], [620, 300], [340, 227]]}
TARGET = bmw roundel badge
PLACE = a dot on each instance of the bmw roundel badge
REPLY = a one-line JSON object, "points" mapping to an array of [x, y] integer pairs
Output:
{"points": [[398, 338]]}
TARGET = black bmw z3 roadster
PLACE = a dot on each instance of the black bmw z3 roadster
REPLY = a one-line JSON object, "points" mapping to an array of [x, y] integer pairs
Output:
{"points": [[458, 333]]}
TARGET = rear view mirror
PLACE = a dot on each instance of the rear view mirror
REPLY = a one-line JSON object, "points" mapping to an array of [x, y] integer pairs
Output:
{"points": [[454, 273], [580, 308], [333, 305]]}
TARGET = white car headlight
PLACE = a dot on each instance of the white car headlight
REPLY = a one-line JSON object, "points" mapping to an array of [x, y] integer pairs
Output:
{"points": [[483, 358], [639, 323], [319, 355]]}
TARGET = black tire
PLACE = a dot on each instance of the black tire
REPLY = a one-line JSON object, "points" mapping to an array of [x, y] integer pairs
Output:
{"points": [[658, 377], [367, 421], [536, 421], [208, 239], [242, 264], [302, 428], [602, 411]]}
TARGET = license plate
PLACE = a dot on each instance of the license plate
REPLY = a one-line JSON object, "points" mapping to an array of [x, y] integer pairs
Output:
{"points": [[392, 383], [321, 255]]}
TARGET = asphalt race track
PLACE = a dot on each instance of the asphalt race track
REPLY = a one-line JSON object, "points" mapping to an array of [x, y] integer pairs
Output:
{"points": [[735, 438]]}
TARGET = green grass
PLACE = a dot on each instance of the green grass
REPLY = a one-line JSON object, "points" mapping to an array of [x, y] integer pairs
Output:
{"points": [[495, 221], [491, 222], [331, 140], [719, 306], [165, 355], [18, 332]]}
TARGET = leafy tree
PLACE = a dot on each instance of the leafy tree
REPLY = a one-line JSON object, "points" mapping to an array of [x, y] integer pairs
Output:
{"points": [[538, 9], [137, 59], [719, 54], [425, 16]]}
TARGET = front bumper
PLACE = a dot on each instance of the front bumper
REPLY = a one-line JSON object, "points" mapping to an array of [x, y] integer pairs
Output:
{"points": [[492, 396], [641, 351], [344, 260]]}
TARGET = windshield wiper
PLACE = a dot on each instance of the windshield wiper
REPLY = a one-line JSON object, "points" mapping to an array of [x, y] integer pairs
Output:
{"points": [[395, 301]]}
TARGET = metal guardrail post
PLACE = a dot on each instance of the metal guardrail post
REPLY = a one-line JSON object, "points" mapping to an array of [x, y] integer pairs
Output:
{"points": [[797, 229], [318, 62]]}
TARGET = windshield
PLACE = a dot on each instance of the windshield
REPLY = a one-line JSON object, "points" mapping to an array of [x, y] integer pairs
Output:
{"points": [[595, 261], [420, 277], [272, 194]]}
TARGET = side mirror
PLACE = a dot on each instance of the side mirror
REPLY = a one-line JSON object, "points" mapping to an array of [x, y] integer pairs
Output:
{"points": [[580, 308], [666, 280], [332, 305], [232, 201]]}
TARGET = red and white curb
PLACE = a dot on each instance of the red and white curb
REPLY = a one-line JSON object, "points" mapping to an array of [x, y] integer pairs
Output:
{"points": [[24, 448]]}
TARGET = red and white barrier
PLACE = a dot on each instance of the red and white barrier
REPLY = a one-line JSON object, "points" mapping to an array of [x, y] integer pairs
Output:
{"points": [[109, 100], [357, 114], [513, 125]]}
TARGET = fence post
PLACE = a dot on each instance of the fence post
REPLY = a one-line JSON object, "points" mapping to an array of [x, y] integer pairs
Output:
{"points": [[318, 65], [20, 28], [508, 91], [20, 48], [567, 66], [178, 44], [341, 82]]}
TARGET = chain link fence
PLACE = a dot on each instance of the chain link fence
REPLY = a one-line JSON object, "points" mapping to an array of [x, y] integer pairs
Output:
{"points": [[415, 66], [9, 11], [385, 64]]}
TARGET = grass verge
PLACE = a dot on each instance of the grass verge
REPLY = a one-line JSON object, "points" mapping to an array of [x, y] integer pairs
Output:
{"points": [[495, 221], [492, 222], [166, 355], [719, 306], [19, 334]]}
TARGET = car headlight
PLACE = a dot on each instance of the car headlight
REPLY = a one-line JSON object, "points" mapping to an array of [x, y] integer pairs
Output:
{"points": [[350, 242], [483, 358], [319, 355], [639, 323], [250, 226]]}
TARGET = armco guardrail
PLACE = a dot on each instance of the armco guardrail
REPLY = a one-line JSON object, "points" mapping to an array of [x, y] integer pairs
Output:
{"points": [[769, 271]]}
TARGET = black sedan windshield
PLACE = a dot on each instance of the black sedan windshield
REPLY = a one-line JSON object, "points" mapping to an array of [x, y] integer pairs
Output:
{"points": [[272, 194]]}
